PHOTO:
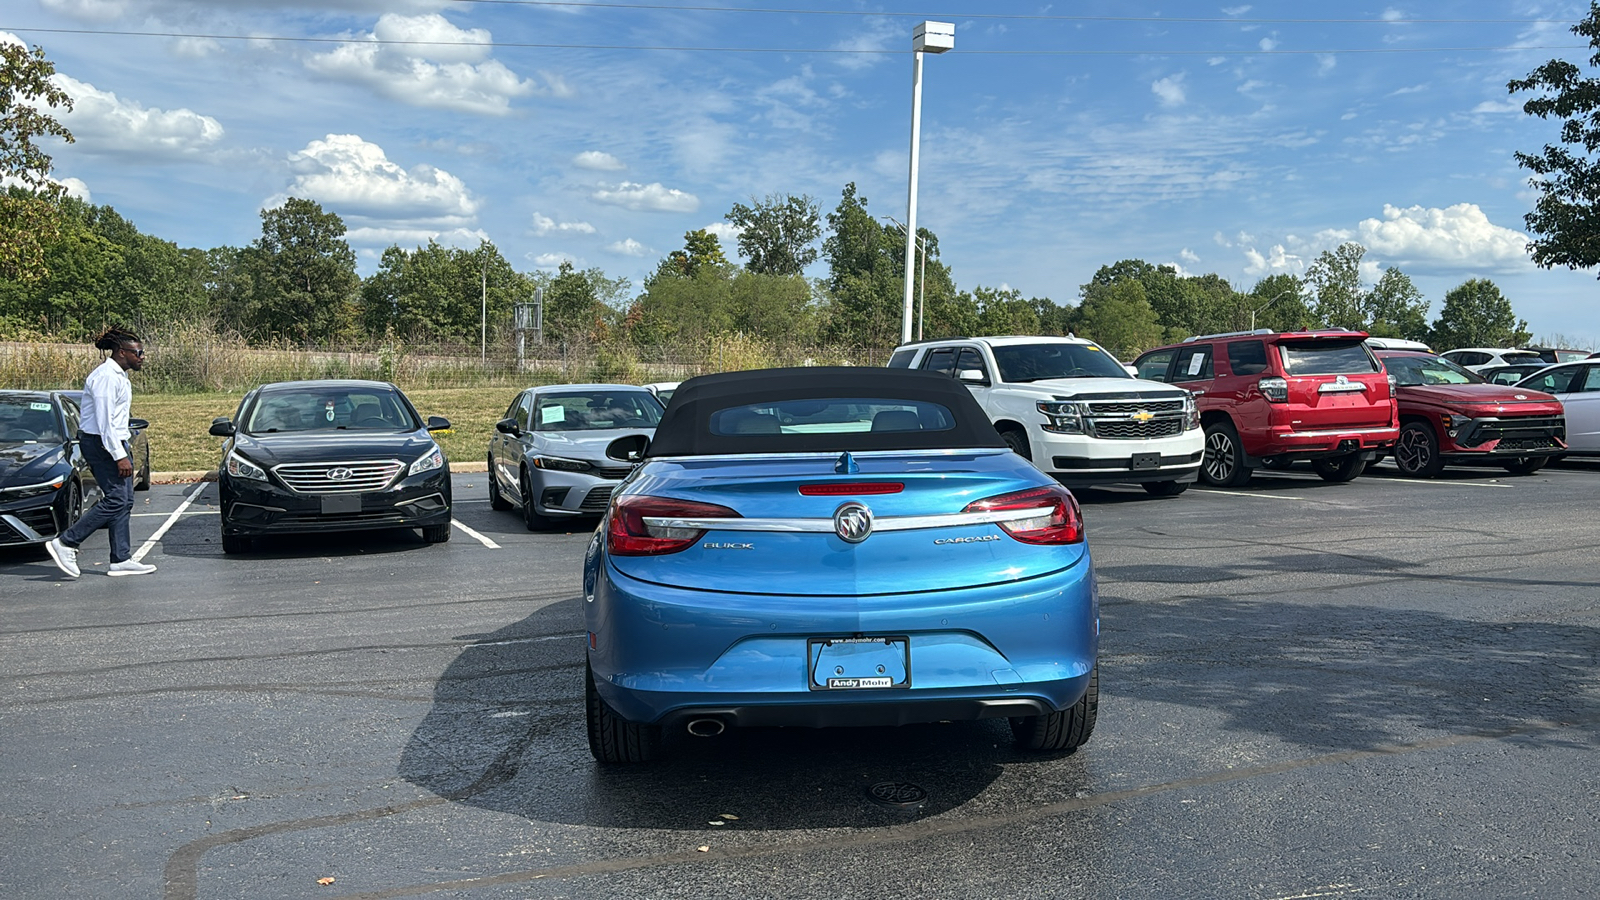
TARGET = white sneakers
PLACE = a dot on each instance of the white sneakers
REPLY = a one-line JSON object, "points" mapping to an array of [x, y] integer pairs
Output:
{"points": [[66, 558], [67, 561]]}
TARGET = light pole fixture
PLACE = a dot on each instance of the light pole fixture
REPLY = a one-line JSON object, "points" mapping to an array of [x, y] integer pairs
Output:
{"points": [[922, 268], [929, 37], [1263, 306]]}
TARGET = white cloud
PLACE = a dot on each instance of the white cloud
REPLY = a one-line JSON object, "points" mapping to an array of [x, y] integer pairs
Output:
{"points": [[377, 197], [1326, 63], [543, 225], [1169, 90], [726, 232], [1235, 11], [1275, 261], [1459, 235], [75, 187], [598, 161], [87, 10], [1189, 256], [651, 197], [196, 47], [465, 238], [448, 69], [1268, 44], [869, 41], [553, 260], [1498, 106], [628, 247], [105, 123]]}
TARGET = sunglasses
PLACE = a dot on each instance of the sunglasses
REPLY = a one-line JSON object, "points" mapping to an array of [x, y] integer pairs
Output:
{"points": [[138, 353]]}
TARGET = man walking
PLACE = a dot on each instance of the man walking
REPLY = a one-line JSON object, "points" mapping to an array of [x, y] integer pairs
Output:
{"points": [[103, 436]]}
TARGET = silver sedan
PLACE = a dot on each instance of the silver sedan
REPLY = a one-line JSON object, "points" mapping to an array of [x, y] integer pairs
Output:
{"points": [[547, 456]]}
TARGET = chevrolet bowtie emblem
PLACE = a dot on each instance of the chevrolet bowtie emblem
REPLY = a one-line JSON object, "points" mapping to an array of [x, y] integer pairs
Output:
{"points": [[1143, 415]]}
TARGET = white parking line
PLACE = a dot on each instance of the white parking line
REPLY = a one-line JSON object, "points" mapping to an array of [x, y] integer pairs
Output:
{"points": [[481, 539], [1446, 483], [192, 512], [148, 545], [1249, 496]]}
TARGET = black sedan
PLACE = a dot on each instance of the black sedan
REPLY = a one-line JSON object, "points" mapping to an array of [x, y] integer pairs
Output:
{"points": [[317, 456], [45, 481]]}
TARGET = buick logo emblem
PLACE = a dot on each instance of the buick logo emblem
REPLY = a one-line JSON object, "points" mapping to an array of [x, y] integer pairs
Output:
{"points": [[852, 522], [340, 474]]}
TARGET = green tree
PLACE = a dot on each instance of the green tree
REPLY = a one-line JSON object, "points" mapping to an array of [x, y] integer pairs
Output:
{"points": [[29, 216], [701, 251], [1335, 282], [1395, 308], [1119, 317], [1180, 311], [573, 310], [303, 274], [1278, 302], [440, 292], [779, 234], [1003, 311], [1476, 314], [1566, 215], [866, 275]]}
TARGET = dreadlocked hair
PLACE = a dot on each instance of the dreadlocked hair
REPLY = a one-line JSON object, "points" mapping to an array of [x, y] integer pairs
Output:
{"points": [[113, 338]]}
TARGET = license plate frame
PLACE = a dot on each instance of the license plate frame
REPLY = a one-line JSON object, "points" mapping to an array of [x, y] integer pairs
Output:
{"points": [[860, 656], [341, 504], [1144, 462]]}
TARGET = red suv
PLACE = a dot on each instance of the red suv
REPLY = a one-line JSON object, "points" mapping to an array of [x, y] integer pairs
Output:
{"points": [[1451, 416], [1269, 398]]}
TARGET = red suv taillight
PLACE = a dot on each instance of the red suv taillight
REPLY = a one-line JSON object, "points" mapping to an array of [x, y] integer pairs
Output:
{"points": [[1275, 389], [1059, 521], [627, 534]]}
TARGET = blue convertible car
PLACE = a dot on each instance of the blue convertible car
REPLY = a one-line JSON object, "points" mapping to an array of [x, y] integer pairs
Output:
{"points": [[835, 546]]}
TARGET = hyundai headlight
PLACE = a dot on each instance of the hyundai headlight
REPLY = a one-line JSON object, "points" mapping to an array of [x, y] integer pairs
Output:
{"points": [[1062, 416], [239, 467], [429, 461], [560, 464]]}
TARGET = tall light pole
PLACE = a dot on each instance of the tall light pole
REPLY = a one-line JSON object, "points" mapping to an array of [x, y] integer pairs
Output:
{"points": [[922, 267], [929, 37], [1263, 306]]}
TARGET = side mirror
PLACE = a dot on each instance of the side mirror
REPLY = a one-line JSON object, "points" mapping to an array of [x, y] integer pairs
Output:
{"points": [[438, 423], [138, 424], [972, 376], [630, 449], [508, 426], [221, 427]]}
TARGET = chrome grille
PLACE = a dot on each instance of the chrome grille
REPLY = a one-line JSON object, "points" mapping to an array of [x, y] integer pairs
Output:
{"points": [[321, 478], [1129, 429], [1120, 419]]}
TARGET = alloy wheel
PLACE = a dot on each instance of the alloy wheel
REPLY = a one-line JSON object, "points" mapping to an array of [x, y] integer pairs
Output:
{"points": [[1219, 456]]}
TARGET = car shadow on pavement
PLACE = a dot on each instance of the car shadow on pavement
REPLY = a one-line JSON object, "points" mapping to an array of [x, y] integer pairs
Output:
{"points": [[1334, 678], [199, 536], [506, 733]]}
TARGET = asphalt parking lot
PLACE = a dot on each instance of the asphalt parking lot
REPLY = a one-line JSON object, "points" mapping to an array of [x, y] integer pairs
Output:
{"points": [[1387, 688]]}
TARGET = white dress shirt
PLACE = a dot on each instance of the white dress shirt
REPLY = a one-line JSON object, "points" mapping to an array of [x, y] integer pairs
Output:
{"points": [[107, 395]]}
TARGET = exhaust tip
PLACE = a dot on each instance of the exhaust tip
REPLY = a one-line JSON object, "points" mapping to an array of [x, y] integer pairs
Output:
{"points": [[706, 727]]}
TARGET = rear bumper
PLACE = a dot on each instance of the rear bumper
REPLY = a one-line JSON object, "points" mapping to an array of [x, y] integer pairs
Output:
{"points": [[667, 655], [1315, 444]]}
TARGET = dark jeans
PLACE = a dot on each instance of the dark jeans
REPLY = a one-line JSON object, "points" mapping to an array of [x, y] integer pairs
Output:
{"points": [[115, 506]]}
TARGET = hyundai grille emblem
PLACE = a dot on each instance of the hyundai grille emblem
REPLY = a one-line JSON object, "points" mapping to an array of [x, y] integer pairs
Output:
{"points": [[852, 522], [340, 474]]}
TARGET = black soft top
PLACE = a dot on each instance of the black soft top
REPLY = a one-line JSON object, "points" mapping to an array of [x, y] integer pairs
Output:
{"points": [[685, 430]]}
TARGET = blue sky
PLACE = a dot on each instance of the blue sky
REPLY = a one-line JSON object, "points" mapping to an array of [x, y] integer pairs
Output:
{"points": [[1241, 139]]}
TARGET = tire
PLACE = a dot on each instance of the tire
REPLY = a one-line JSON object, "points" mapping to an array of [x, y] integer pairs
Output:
{"points": [[1223, 465], [141, 478], [1165, 488], [497, 500], [236, 543], [74, 506], [436, 534], [530, 514], [613, 739], [1416, 452], [1066, 730], [1526, 465], [1340, 469], [1017, 440]]}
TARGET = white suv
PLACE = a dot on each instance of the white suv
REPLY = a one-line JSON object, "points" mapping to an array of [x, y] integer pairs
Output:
{"points": [[1071, 408]]}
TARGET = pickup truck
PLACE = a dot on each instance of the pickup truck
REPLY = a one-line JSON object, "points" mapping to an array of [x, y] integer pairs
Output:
{"points": [[1068, 406]]}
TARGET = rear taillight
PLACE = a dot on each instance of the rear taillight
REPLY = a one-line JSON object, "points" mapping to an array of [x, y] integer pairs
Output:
{"points": [[627, 533], [1274, 389], [1059, 521]]}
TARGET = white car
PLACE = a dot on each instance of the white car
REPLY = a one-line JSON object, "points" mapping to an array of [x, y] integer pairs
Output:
{"points": [[1577, 386], [662, 389], [1068, 406], [1475, 358]]}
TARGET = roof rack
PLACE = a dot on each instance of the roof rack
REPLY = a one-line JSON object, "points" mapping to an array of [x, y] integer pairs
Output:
{"points": [[1223, 334]]}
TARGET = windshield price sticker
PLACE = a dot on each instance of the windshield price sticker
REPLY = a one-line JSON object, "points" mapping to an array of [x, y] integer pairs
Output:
{"points": [[551, 414], [41, 407], [1196, 363]]}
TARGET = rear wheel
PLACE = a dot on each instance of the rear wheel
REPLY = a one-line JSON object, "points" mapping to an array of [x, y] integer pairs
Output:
{"points": [[1065, 730], [613, 739], [1165, 488], [1017, 440], [497, 500], [141, 478], [1339, 469], [1416, 452], [530, 514], [1526, 465], [1224, 460], [436, 534]]}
